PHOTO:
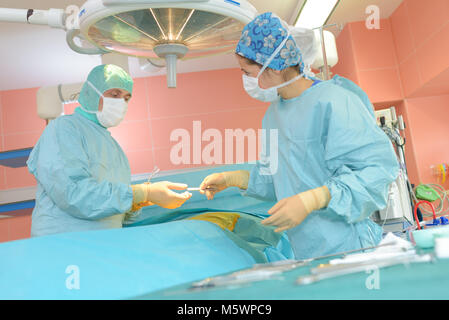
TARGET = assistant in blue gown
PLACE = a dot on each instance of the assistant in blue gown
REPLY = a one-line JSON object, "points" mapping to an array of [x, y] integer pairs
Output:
{"points": [[327, 137], [83, 176]]}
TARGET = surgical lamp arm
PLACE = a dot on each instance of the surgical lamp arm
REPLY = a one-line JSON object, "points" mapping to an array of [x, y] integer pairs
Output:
{"points": [[71, 34], [54, 18]]}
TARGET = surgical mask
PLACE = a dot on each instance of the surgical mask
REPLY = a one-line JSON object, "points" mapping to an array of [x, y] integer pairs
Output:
{"points": [[113, 112], [252, 87]]}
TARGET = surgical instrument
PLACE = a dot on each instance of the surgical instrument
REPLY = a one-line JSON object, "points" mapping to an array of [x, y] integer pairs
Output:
{"points": [[331, 271], [199, 189]]}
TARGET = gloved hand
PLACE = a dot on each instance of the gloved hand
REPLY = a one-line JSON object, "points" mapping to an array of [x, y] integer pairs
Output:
{"points": [[217, 182], [291, 211], [159, 193]]}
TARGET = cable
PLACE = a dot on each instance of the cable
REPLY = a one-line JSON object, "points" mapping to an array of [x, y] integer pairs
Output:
{"points": [[416, 209], [443, 197], [416, 217]]}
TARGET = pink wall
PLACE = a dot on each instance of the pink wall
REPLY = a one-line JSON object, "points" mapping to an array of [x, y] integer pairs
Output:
{"points": [[16, 226], [405, 58], [429, 129], [368, 58], [404, 64], [20, 128], [421, 33]]}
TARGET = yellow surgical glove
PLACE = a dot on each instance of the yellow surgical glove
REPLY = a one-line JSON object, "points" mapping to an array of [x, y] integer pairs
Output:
{"points": [[291, 211], [159, 193], [217, 182], [140, 196]]}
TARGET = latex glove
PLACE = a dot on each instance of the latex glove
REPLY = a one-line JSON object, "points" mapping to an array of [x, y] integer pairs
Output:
{"points": [[291, 211], [160, 193], [217, 182]]}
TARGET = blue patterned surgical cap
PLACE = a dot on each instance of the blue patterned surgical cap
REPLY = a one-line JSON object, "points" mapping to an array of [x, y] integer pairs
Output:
{"points": [[260, 39]]}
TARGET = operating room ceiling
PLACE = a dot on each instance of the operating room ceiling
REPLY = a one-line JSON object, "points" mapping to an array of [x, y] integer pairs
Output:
{"points": [[35, 56]]}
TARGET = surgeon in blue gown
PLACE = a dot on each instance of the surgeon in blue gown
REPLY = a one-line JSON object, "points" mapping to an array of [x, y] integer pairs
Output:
{"points": [[330, 166], [83, 176]]}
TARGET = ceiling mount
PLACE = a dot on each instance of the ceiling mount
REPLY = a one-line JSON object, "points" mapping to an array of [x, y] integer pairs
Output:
{"points": [[171, 52]]}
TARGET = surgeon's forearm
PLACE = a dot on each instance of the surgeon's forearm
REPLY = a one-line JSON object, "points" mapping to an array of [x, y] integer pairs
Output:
{"points": [[316, 199]]}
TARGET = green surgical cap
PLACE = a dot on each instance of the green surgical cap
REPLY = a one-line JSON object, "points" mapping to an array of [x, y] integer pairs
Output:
{"points": [[103, 77]]}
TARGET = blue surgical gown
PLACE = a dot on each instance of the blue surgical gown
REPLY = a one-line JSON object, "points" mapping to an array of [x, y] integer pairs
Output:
{"points": [[327, 136], [83, 178]]}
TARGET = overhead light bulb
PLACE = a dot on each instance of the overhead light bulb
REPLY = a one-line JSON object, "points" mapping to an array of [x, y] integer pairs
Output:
{"points": [[314, 14]]}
